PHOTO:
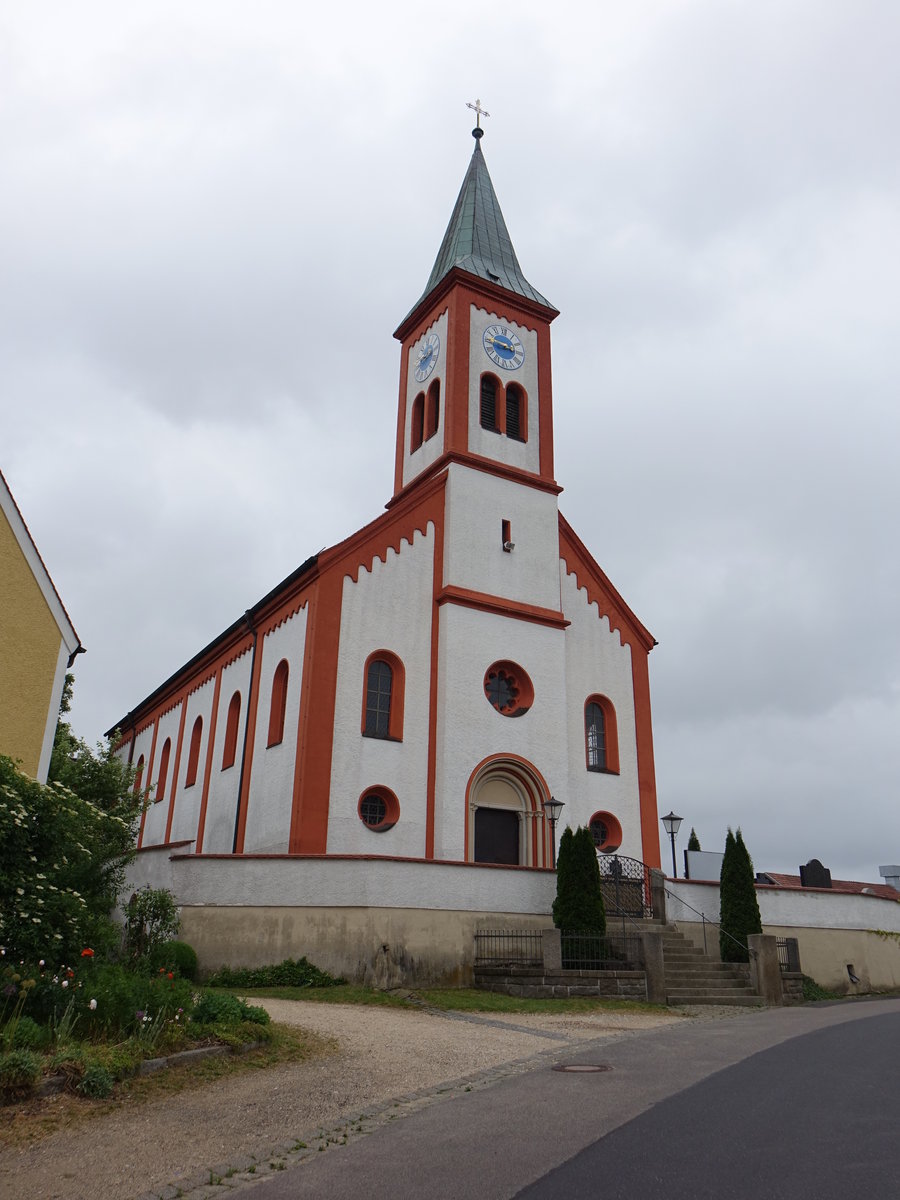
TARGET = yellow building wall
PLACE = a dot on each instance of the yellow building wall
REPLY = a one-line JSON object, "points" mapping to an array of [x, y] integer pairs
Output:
{"points": [[30, 645]]}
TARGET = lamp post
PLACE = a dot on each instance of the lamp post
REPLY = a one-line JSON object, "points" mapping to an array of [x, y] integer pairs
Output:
{"points": [[551, 808], [671, 823]]}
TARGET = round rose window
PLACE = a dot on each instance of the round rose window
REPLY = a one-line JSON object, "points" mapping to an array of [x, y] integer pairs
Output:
{"points": [[508, 689]]}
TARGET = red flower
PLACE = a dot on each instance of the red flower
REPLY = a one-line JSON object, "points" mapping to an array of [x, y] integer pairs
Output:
{"points": [[170, 975], [162, 970], [87, 952], [70, 973]]}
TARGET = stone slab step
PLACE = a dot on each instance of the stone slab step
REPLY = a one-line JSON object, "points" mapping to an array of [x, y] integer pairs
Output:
{"points": [[731, 999]]}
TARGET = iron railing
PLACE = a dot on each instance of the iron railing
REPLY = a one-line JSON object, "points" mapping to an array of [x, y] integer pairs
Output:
{"points": [[788, 954], [589, 951], [717, 924], [508, 948], [625, 883]]}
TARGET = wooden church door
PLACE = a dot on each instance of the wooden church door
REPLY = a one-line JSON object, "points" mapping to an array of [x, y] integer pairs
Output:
{"points": [[497, 835]]}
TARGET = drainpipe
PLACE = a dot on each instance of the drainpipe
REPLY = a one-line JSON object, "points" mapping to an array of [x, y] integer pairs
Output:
{"points": [[237, 812]]}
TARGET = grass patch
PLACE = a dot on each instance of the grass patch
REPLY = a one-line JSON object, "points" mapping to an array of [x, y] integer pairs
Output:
{"points": [[475, 1000], [343, 993], [24, 1124]]}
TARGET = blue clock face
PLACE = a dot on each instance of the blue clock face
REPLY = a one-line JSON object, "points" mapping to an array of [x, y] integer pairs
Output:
{"points": [[426, 356], [503, 347]]}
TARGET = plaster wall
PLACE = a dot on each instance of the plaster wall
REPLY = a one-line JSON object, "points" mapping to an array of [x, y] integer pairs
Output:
{"points": [[811, 908], [272, 780], [476, 505], [525, 455], [31, 651], [186, 812], [433, 447], [157, 813], [383, 947], [221, 803], [471, 730], [388, 608], [597, 663], [334, 881]]}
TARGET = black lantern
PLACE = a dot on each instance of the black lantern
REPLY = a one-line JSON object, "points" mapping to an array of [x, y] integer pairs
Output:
{"points": [[551, 808], [672, 824]]}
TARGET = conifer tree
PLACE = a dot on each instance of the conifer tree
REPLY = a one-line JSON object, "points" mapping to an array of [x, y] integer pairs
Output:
{"points": [[739, 910], [579, 900], [693, 840]]}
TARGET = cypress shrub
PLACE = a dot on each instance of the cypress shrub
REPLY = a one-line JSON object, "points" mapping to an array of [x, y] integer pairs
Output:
{"points": [[693, 840], [579, 899], [739, 913]]}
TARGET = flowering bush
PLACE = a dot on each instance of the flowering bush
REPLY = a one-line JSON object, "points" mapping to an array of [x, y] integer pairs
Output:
{"points": [[62, 862]]}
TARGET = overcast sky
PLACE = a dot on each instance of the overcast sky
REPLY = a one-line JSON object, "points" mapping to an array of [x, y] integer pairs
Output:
{"points": [[213, 215]]}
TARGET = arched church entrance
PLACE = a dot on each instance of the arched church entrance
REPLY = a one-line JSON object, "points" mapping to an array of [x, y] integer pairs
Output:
{"points": [[507, 823]]}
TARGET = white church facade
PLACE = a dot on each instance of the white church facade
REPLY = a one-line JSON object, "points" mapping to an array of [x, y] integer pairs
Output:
{"points": [[357, 769]]}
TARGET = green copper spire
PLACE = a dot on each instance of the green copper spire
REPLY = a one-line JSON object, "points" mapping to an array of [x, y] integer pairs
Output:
{"points": [[477, 239]]}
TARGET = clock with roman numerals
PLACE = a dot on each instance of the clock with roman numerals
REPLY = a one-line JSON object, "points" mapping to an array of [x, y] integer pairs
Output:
{"points": [[426, 357], [503, 347]]}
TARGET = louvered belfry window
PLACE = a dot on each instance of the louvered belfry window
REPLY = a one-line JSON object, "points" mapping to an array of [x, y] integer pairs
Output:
{"points": [[378, 699], [513, 412], [488, 402]]}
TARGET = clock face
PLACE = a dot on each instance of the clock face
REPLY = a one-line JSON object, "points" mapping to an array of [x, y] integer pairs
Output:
{"points": [[426, 356], [503, 347]]}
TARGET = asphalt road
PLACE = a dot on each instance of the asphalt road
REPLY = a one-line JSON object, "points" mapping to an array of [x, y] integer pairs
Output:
{"points": [[794, 1103]]}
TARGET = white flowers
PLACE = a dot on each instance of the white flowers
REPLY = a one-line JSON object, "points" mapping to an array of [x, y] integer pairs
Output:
{"points": [[65, 983], [92, 1005]]}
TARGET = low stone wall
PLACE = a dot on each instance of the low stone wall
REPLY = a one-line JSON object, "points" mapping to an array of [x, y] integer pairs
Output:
{"points": [[792, 985], [536, 984]]}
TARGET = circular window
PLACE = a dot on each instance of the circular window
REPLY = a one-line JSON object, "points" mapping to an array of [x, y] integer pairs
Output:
{"points": [[378, 809], [606, 832], [508, 689]]}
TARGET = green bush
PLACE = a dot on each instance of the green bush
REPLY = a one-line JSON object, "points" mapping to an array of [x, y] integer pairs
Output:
{"points": [[814, 991], [739, 913], [175, 956], [96, 1082], [291, 972], [19, 1072], [220, 1008], [578, 906], [151, 918], [28, 1035]]}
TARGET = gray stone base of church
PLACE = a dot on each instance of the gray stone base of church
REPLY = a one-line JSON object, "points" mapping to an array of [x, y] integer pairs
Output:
{"points": [[561, 985]]}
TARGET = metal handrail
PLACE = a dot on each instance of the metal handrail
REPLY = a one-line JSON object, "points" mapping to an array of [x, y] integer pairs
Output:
{"points": [[704, 919]]}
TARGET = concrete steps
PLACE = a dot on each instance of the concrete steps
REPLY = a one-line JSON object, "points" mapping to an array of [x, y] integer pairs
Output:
{"points": [[692, 977]]}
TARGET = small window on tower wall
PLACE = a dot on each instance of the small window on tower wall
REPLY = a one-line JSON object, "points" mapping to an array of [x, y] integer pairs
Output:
{"points": [[418, 422], [488, 402], [514, 413], [433, 413]]}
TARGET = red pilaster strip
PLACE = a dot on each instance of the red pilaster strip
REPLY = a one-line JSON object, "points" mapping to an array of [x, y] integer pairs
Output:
{"points": [[148, 775], [643, 727], [207, 774], [171, 811], [252, 705]]}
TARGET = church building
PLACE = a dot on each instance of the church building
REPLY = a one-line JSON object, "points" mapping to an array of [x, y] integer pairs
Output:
{"points": [[359, 769]]}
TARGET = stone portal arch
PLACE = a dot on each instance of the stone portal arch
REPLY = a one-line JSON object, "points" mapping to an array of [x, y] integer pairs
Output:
{"points": [[506, 818]]}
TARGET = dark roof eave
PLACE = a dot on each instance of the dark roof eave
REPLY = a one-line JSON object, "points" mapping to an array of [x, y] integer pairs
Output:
{"points": [[459, 275]]}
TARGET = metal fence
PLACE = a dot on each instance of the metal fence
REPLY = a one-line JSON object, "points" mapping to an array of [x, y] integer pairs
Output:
{"points": [[625, 883], [588, 951], [788, 954], [508, 948]]}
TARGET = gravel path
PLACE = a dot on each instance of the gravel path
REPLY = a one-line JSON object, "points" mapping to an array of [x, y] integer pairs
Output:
{"points": [[386, 1061]]}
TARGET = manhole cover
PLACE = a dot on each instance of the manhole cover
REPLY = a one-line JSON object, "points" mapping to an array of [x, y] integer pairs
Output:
{"points": [[572, 1068]]}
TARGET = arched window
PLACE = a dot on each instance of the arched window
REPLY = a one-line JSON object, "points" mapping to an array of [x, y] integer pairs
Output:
{"points": [[418, 422], [231, 731], [163, 771], [384, 686], [139, 774], [194, 753], [606, 832], [601, 741], [433, 413], [488, 402], [516, 425], [279, 700]]}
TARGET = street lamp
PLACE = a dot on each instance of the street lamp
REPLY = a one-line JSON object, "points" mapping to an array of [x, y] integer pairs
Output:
{"points": [[671, 824], [551, 808]]}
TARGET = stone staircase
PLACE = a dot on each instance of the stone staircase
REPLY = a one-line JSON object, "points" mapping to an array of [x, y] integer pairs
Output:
{"points": [[692, 977]]}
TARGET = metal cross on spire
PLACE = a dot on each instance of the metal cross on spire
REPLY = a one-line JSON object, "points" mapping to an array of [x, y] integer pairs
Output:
{"points": [[480, 112]]}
